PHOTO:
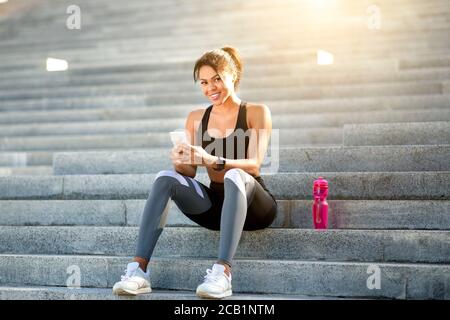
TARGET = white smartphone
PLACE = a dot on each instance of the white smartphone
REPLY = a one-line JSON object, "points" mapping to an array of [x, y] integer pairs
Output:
{"points": [[178, 137]]}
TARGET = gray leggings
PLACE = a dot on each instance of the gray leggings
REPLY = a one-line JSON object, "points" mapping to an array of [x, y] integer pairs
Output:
{"points": [[242, 202]]}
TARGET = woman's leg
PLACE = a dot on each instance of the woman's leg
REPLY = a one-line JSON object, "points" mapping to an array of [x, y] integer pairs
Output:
{"points": [[188, 194], [246, 206]]}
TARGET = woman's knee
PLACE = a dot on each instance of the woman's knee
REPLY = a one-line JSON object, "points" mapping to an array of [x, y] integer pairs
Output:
{"points": [[235, 174], [169, 178], [240, 178]]}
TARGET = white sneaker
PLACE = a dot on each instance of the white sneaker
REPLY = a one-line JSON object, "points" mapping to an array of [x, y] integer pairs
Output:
{"points": [[216, 285], [135, 281]]}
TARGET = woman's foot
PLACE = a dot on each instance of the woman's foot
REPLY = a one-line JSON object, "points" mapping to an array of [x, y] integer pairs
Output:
{"points": [[135, 281], [217, 283]]}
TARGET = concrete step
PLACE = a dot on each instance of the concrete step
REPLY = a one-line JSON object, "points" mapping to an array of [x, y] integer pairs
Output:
{"points": [[342, 214], [44, 158], [438, 62], [290, 159], [413, 133], [170, 9], [76, 103], [303, 107], [84, 51], [325, 77], [284, 186], [109, 18], [344, 279], [24, 159], [66, 293], [162, 30], [275, 243], [34, 170], [292, 63], [186, 47], [190, 35], [114, 8], [84, 63], [135, 10], [298, 137], [190, 94], [279, 121]]}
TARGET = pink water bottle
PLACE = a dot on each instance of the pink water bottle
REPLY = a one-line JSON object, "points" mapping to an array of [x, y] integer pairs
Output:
{"points": [[320, 205]]}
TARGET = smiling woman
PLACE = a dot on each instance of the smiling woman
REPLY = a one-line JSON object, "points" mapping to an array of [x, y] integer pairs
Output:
{"points": [[225, 61], [236, 199]]}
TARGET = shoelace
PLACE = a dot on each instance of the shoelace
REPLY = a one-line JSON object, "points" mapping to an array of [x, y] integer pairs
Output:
{"points": [[212, 276], [127, 275]]}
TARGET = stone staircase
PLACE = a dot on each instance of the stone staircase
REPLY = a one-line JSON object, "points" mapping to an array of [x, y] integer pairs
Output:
{"points": [[79, 149]]}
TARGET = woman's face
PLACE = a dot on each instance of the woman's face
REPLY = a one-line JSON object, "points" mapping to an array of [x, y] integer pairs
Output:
{"points": [[216, 88]]}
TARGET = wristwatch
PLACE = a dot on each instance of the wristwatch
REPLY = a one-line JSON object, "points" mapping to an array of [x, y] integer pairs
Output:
{"points": [[220, 164]]}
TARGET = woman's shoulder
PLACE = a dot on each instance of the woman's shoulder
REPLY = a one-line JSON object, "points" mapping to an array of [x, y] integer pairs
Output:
{"points": [[194, 117], [196, 114], [256, 107], [257, 110]]}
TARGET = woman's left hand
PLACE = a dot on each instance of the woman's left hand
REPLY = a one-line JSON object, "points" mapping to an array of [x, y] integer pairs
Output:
{"points": [[198, 155]]}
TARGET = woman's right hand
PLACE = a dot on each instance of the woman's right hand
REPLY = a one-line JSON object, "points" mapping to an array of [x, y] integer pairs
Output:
{"points": [[179, 157], [181, 162], [175, 155]]}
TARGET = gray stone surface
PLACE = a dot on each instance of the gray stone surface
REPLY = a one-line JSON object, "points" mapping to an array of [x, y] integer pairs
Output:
{"points": [[185, 87], [437, 62], [65, 293], [31, 187], [63, 212], [308, 136], [252, 80], [291, 159], [75, 103], [32, 171], [343, 214], [284, 186], [23, 159], [418, 133], [280, 121], [90, 111], [283, 244], [364, 186], [344, 279], [311, 92]]}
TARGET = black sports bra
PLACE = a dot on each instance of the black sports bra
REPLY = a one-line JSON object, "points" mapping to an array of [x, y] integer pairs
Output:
{"points": [[219, 146]]}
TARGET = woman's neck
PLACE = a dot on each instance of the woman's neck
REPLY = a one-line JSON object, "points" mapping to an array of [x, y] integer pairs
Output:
{"points": [[230, 103]]}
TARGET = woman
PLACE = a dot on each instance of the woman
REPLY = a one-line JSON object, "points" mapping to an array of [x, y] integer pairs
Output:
{"points": [[236, 199]]}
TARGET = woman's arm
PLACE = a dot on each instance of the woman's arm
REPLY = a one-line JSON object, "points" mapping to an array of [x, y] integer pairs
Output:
{"points": [[189, 170]]}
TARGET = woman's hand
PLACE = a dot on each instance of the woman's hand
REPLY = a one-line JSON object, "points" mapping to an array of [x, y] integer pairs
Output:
{"points": [[184, 153], [177, 156]]}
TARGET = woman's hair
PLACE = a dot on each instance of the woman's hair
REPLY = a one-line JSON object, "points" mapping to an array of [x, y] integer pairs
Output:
{"points": [[226, 59]]}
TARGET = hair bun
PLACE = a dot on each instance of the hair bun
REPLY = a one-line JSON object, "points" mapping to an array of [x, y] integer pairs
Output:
{"points": [[235, 56]]}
